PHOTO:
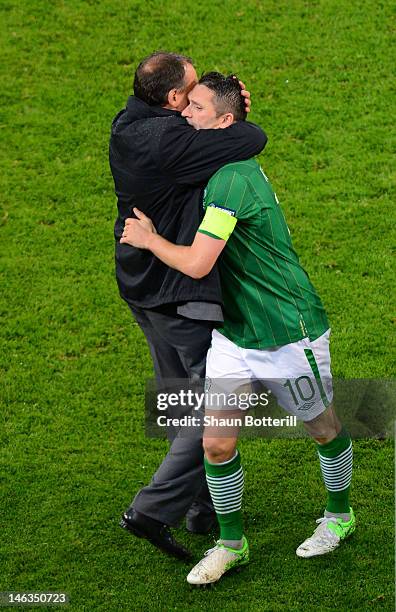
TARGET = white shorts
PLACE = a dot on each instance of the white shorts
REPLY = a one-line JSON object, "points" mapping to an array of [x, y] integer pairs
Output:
{"points": [[297, 374]]}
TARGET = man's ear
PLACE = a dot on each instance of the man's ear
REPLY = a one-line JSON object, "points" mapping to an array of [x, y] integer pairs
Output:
{"points": [[172, 98]]}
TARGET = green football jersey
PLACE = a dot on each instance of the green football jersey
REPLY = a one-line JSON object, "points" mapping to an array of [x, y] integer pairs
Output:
{"points": [[268, 297]]}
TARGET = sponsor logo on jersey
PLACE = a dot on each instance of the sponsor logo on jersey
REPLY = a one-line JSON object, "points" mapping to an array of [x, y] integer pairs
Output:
{"points": [[228, 211]]}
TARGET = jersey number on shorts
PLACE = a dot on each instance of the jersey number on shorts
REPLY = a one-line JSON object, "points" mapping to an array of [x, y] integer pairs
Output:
{"points": [[306, 392]]}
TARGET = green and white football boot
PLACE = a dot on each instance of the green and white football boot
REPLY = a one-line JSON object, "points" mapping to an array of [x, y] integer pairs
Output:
{"points": [[217, 561], [328, 536]]}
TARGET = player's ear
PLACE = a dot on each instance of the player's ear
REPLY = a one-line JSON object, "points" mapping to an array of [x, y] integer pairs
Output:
{"points": [[227, 120]]}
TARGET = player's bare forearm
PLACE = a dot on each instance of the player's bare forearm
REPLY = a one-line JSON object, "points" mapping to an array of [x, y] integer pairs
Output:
{"points": [[175, 256], [141, 233], [196, 260]]}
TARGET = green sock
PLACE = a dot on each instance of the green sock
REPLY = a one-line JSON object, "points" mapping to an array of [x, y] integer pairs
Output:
{"points": [[225, 483], [336, 464]]}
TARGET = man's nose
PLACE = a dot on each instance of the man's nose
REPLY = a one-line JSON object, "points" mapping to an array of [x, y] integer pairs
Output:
{"points": [[186, 112]]}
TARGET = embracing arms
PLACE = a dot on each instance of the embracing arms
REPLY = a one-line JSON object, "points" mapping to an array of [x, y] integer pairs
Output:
{"points": [[195, 260]]}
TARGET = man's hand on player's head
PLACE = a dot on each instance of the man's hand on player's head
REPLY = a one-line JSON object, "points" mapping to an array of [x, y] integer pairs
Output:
{"points": [[137, 232], [246, 94]]}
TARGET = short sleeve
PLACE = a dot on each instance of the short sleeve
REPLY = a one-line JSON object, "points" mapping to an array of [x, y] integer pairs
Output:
{"points": [[227, 198], [230, 190]]}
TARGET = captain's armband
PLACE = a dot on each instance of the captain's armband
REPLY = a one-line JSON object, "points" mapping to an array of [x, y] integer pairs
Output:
{"points": [[218, 222]]}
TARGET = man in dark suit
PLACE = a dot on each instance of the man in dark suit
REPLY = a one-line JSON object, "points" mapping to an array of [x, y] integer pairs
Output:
{"points": [[161, 165]]}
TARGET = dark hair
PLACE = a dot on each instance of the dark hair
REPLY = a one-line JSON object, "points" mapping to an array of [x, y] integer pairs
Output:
{"points": [[157, 74], [227, 94]]}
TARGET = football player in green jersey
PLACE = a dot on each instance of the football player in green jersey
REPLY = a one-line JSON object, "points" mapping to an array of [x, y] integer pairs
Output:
{"points": [[275, 329]]}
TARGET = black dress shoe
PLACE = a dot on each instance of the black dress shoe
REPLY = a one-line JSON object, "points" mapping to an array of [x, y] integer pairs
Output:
{"points": [[202, 523], [155, 532]]}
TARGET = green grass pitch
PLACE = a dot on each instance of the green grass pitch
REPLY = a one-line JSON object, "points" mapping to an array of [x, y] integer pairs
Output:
{"points": [[73, 364]]}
